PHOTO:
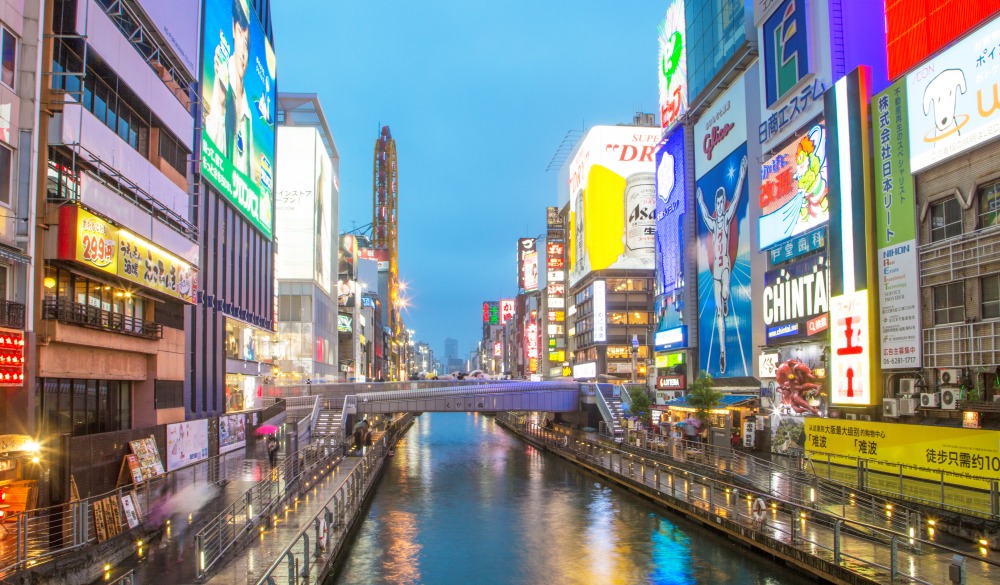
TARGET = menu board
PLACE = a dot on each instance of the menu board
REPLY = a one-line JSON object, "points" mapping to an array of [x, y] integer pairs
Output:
{"points": [[134, 468], [148, 458], [131, 507], [107, 518]]}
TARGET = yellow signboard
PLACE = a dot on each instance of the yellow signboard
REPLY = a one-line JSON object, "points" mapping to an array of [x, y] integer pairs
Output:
{"points": [[90, 240], [925, 450]]}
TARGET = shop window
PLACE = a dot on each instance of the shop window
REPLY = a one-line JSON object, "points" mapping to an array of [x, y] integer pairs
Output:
{"points": [[949, 303], [638, 318], [946, 219], [989, 204], [990, 289], [84, 407], [626, 284]]}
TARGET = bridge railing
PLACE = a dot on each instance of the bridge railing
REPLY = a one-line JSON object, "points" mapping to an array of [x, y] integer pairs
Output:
{"points": [[852, 545], [237, 523]]}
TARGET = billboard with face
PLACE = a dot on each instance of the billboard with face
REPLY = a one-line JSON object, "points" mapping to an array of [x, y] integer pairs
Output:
{"points": [[238, 67], [793, 189], [613, 201]]}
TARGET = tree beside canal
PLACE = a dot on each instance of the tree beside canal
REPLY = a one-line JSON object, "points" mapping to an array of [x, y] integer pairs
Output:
{"points": [[704, 397]]}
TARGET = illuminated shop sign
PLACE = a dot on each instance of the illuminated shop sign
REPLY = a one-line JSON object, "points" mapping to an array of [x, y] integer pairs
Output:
{"points": [[600, 312], [90, 240], [555, 252], [491, 312], [557, 289], [670, 339], [11, 358], [796, 299], [506, 311], [851, 359], [793, 189], [673, 65], [669, 360]]}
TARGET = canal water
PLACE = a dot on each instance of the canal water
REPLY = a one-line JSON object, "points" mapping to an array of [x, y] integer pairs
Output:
{"points": [[465, 502]]}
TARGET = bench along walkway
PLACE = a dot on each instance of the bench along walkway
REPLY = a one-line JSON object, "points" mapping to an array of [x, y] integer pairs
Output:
{"points": [[838, 549]]}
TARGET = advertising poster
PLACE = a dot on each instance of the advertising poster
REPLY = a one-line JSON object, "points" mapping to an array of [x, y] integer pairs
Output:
{"points": [[724, 336], [345, 323], [972, 452], [613, 201], [793, 189], [150, 464], [187, 443], [526, 247], [671, 205], [796, 300], [530, 271], [673, 65], [896, 232], [132, 516], [953, 102], [232, 432], [239, 97]]}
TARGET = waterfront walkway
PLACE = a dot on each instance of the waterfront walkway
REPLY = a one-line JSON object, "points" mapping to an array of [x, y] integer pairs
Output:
{"points": [[858, 547]]}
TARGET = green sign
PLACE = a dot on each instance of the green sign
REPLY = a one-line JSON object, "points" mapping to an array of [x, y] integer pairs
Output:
{"points": [[895, 204], [238, 97]]}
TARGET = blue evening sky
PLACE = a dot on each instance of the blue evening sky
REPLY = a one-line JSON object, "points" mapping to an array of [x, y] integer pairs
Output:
{"points": [[478, 96]]}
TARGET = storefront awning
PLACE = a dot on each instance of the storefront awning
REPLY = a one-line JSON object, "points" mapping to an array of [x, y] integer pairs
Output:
{"points": [[738, 384], [728, 401]]}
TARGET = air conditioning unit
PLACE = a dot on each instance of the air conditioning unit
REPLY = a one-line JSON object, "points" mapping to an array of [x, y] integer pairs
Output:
{"points": [[930, 400], [907, 386], [890, 407], [865, 417], [949, 377], [851, 416], [996, 398], [908, 406], [949, 398]]}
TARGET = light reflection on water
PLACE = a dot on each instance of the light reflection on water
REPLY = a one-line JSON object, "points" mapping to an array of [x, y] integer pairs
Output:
{"points": [[469, 503]]}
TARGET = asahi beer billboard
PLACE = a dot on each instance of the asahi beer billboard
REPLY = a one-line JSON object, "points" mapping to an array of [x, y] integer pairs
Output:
{"points": [[613, 201]]}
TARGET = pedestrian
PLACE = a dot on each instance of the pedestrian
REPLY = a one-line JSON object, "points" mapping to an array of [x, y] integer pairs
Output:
{"points": [[272, 451]]}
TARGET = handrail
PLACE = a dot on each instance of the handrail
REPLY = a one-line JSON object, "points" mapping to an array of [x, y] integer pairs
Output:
{"points": [[604, 456], [68, 311], [226, 530], [605, 410]]}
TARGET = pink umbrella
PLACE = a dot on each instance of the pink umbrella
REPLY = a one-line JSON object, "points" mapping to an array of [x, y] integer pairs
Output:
{"points": [[266, 429]]}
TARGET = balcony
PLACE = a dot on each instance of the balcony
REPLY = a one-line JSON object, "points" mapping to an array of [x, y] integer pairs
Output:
{"points": [[971, 255], [66, 311], [962, 345], [11, 315]]}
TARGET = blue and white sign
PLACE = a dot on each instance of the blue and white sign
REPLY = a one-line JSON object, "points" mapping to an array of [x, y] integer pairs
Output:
{"points": [[786, 49], [796, 299], [671, 193], [675, 338], [799, 246]]}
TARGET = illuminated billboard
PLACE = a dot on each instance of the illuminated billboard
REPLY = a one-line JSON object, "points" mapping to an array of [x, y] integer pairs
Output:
{"points": [[304, 208], [526, 247], [671, 196], [555, 256], [90, 240], [794, 189], [491, 312], [612, 201], [917, 30], [723, 250], [953, 102], [530, 271], [600, 312], [796, 300], [238, 101], [506, 311], [673, 65]]}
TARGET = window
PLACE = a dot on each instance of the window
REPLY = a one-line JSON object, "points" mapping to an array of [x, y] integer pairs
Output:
{"points": [[949, 303], [84, 407], [989, 204], [946, 220], [5, 174], [173, 153], [8, 53], [991, 296]]}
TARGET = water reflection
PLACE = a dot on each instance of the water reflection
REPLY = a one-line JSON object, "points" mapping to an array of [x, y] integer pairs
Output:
{"points": [[469, 503]]}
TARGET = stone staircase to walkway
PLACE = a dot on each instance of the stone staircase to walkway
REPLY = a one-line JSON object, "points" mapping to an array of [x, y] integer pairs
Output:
{"points": [[328, 427], [614, 403]]}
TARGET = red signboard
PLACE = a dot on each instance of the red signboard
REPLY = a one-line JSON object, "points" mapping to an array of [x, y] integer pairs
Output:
{"points": [[916, 29], [671, 383], [11, 358]]}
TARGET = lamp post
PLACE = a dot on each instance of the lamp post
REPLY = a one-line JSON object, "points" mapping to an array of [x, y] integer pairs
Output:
{"points": [[635, 355]]}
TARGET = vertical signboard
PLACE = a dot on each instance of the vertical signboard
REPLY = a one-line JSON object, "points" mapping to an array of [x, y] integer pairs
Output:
{"points": [[600, 312], [896, 233], [673, 65], [851, 357], [723, 250], [525, 248], [916, 30], [506, 310], [671, 193], [239, 99]]}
